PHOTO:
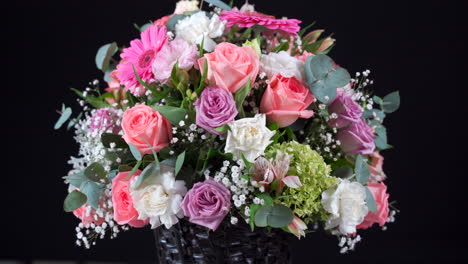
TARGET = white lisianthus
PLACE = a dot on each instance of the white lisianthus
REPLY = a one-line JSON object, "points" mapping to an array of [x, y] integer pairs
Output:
{"points": [[282, 63], [159, 198], [346, 204], [199, 27], [246, 8], [185, 6], [249, 136]]}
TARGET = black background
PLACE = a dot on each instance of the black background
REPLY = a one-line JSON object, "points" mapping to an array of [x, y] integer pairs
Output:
{"points": [[415, 48]]}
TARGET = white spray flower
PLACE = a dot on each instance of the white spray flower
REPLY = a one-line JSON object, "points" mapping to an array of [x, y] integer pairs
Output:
{"points": [[282, 63]]}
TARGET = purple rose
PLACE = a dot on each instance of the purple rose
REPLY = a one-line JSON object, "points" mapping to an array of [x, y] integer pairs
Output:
{"points": [[357, 138], [215, 107], [346, 108], [207, 203]]}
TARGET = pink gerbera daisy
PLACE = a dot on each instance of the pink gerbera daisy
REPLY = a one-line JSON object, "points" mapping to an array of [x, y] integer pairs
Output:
{"points": [[249, 19], [140, 54]]}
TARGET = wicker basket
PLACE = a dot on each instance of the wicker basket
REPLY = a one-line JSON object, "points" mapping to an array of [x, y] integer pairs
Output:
{"points": [[187, 243]]}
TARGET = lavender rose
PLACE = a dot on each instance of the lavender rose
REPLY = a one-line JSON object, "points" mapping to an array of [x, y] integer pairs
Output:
{"points": [[215, 107], [347, 110], [207, 203], [357, 138]]}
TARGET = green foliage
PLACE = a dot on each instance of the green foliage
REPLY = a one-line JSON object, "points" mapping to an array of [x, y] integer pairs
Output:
{"points": [[172, 22], [179, 162], [266, 197], [276, 216], [313, 172], [76, 179], [92, 100], [304, 29], [134, 169], [96, 173], [104, 56], [391, 102], [253, 211], [66, 113], [283, 46], [370, 201], [219, 3], [92, 191], [73, 201], [135, 152], [361, 169], [172, 113], [324, 78], [150, 170], [222, 128], [108, 138], [240, 96]]}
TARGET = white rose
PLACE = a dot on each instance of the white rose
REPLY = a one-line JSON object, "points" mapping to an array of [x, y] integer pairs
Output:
{"points": [[282, 63], [185, 6], [346, 204], [198, 27], [159, 198], [249, 136]]}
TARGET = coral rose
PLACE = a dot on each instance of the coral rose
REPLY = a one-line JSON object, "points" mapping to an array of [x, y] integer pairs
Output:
{"points": [[124, 211], [142, 125], [379, 191], [285, 100], [231, 67]]}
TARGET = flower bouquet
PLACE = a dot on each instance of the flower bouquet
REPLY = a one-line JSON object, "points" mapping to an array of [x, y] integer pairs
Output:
{"points": [[228, 132]]}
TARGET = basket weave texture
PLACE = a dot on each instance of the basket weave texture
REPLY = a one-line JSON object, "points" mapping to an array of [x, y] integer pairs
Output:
{"points": [[186, 243]]}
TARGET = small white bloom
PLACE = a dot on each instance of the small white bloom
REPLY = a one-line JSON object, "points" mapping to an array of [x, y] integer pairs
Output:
{"points": [[249, 136], [283, 63], [159, 199], [186, 6], [346, 203], [234, 220], [198, 27]]}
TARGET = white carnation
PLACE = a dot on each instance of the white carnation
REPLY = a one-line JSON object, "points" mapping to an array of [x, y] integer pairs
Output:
{"points": [[282, 63], [199, 27], [346, 204], [159, 199], [185, 6], [249, 136]]}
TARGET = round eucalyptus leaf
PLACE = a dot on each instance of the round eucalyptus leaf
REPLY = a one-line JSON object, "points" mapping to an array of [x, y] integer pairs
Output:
{"points": [[73, 201], [104, 55], [261, 216], [96, 173], [320, 66], [337, 78], [280, 216]]}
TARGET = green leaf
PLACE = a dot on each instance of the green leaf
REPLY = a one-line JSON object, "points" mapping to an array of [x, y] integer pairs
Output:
{"points": [[275, 216], [370, 201], [172, 113], [219, 4], [111, 175], [202, 84], [76, 179], [135, 168], [343, 172], [248, 164], [362, 170], [108, 138], [172, 22], [104, 55], [92, 191], [96, 173], [124, 167], [135, 152], [377, 100], [253, 211], [94, 101], [73, 201], [391, 102], [241, 94], [290, 134], [273, 126], [143, 83], [66, 113], [304, 29], [150, 170], [179, 162], [222, 128], [266, 197], [324, 78], [145, 26], [282, 46]]}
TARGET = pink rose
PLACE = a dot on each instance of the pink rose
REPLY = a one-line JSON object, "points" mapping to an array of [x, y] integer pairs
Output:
{"points": [[379, 191], [142, 125], [376, 168], [230, 67], [88, 219], [124, 212], [207, 203], [285, 100], [162, 21], [357, 138]]}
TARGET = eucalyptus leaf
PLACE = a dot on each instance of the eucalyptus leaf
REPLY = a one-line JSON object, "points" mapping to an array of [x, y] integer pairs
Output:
{"points": [[76, 179], [219, 4], [73, 201], [241, 94], [343, 172], [134, 169], [253, 211], [172, 22], [391, 102], [104, 55], [92, 191], [111, 175], [179, 162], [124, 167], [92, 100], [370, 201], [135, 152], [96, 173], [172, 113], [151, 170], [361, 169], [145, 26], [66, 113], [266, 197], [108, 138], [275, 216]]}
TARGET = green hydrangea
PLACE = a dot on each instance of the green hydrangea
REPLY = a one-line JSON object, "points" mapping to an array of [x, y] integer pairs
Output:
{"points": [[315, 177]]}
